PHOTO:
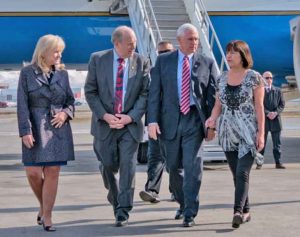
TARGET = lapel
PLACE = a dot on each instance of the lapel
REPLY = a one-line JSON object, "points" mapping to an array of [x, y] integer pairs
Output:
{"points": [[108, 68], [173, 69], [39, 75], [132, 70], [195, 84], [55, 77]]}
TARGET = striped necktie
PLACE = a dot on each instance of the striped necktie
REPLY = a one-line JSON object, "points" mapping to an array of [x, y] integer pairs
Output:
{"points": [[119, 87], [185, 87]]}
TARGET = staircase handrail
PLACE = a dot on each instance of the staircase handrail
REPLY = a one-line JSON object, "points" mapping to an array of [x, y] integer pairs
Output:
{"points": [[147, 40], [203, 17]]}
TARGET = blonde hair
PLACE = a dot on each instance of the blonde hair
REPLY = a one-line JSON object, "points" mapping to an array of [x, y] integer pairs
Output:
{"points": [[44, 44]]}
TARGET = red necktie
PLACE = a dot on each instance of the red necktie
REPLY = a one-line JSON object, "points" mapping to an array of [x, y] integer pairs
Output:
{"points": [[119, 87], [185, 87]]}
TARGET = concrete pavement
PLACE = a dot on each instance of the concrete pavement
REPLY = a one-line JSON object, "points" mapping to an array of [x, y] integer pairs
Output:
{"points": [[82, 209]]}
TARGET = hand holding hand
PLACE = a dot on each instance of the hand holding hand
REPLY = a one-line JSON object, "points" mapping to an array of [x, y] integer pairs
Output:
{"points": [[153, 130], [59, 119], [113, 121], [210, 123], [211, 134], [28, 141], [124, 119]]}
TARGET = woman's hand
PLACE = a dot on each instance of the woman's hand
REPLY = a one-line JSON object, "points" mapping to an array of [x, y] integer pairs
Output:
{"points": [[59, 119], [210, 123], [28, 141], [260, 141]]}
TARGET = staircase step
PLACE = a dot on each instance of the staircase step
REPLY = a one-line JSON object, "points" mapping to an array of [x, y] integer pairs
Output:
{"points": [[166, 33], [168, 23], [167, 3], [177, 17], [168, 10]]}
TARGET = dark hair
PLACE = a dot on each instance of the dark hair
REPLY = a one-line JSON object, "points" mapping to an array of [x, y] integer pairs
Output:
{"points": [[163, 42], [243, 48]]}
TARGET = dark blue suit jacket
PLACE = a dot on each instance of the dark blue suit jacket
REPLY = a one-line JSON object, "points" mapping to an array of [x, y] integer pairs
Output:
{"points": [[273, 102], [163, 101]]}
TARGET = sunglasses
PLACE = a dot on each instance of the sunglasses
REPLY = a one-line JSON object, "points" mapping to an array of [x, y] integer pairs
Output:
{"points": [[164, 51], [268, 78]]}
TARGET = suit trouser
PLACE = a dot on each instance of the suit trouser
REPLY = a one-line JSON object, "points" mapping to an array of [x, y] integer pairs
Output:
{"points": [[240, 169], [156, 165], [184, 166], [118, 152], [276, 145]]}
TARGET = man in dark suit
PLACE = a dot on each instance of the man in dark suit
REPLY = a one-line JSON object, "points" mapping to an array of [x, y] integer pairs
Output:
{"points": [[156, 158], [116, 90], [181, 97], [274, 105]]}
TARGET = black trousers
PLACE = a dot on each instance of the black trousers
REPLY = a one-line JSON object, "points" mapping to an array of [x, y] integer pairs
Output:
{"points": [[276, 145], [240, 169], [156, 164]]}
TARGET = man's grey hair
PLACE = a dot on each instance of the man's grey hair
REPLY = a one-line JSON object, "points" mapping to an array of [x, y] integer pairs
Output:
{"points": [[118, 33], [185, 27]]}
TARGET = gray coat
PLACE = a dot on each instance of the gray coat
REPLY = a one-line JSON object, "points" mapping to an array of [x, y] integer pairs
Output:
{"points": [[37, 100]]}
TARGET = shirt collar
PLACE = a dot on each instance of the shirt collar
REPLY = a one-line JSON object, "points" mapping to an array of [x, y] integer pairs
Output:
{"points": [[181, 56], [116, 56]]}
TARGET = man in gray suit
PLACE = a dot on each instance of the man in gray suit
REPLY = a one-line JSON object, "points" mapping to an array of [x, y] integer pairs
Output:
{"points": [[274, 105], [116, 90], [181, 97]]}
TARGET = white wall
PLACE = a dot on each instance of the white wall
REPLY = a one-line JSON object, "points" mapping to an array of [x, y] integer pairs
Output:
{"points": [[252, 5], [54, 5]]}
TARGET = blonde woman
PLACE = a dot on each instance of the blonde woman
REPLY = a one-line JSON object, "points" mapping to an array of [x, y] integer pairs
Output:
{"points": [[239, 107], [45, 107]]}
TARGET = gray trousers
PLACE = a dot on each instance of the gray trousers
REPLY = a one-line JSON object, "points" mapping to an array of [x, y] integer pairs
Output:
{"points": [[118, 153], [184, 166], [240, 169]]}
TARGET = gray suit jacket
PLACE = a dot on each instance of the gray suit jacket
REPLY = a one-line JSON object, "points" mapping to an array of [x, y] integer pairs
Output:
{"points": [[273, 102], [163, 103], [99, 92]]}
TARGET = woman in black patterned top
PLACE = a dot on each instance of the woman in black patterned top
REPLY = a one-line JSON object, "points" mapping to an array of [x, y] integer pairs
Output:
{"points": [[238, 115]]}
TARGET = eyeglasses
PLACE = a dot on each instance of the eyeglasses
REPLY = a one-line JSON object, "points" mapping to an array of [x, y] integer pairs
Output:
{"points": [[164, 51], [268, 78]]}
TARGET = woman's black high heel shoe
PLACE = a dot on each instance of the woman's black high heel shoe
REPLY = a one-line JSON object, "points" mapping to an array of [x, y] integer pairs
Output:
{"points": [[237, 220], [39, 220], [49, 228]]}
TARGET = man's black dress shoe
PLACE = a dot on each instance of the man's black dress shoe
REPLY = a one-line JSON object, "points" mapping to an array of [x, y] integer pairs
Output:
{"points": [[121, 221], [149, 196], [178, 215], [279, 166], [188, 221]]}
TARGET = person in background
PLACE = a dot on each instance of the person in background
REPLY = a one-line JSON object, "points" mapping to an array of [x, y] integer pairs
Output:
{"points": [[156, 159], [239, 110], [181, 97], [273, 105], [45, 106], [116, 90]]}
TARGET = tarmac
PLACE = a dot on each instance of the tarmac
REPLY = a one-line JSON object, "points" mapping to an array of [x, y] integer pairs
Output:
{"points": [[81, 208]]}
